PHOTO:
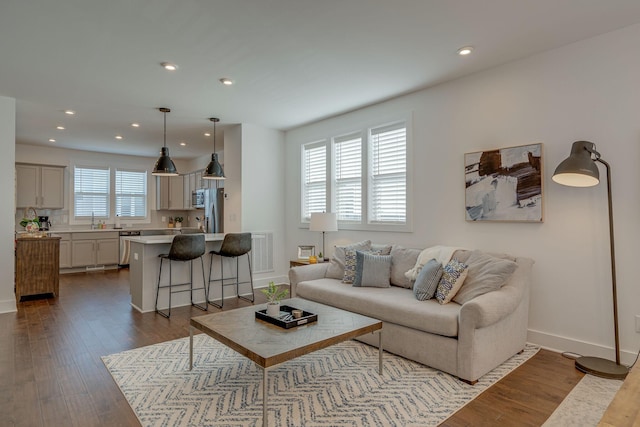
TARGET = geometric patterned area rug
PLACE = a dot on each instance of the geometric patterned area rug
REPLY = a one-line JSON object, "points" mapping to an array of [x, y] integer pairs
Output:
{"points": [[336, 386], [586, 403]]}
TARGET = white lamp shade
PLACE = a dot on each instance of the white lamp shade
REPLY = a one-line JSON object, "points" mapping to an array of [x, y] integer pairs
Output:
{"points": [[322, 221]]}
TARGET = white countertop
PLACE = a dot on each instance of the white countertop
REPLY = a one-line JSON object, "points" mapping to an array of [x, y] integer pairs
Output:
{"points": [[167, 238], [98, 230]]}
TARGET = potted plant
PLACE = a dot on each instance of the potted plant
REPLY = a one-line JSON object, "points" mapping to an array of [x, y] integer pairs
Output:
{"points": [[178, 220], [274, 294]]}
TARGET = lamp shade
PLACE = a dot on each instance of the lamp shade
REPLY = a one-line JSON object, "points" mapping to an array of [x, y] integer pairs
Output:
{"points": [[214, 169], [579, 169], [165, 166], [322, 221]]}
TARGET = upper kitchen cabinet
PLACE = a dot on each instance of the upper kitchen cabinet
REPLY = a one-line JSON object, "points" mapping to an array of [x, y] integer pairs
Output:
{"points": [[170, 192], [39, 186]]}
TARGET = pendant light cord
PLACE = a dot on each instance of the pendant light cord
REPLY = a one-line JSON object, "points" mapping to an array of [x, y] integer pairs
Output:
{"points": [[165, 128], [214, 137]]}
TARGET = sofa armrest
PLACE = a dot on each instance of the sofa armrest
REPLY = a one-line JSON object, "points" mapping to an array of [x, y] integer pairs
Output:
{"points": [[489, 308], [494, 306], [306, 272]]}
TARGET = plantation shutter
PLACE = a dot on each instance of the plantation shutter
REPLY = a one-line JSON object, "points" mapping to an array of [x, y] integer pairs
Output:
{"points": [[348, 177], [388, 175], [91, 192], [314, 171], [131, 193]]}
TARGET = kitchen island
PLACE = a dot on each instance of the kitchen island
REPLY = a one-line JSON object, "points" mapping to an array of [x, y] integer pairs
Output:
{"points": [[144, 266]]}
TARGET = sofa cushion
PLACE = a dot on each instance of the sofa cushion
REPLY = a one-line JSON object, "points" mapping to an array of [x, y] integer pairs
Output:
{"points": [[392, 304], [382, 248], [402, 259], [350, 264], [428, 279], [486, 273], [453, 276], [372, 270], [336, 266]]}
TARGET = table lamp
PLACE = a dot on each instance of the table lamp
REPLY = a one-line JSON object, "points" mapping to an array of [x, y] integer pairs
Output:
{"points": [[580, 170], [323, 221]]}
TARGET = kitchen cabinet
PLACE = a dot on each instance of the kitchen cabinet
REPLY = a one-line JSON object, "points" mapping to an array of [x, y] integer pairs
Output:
{"points": [[92, 248], [170, 193], [65, 251], [39, 186], [36, 264]]}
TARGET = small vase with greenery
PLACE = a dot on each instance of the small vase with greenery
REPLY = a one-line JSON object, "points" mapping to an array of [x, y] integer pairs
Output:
{"points": [[178, 220], [274, 294]]}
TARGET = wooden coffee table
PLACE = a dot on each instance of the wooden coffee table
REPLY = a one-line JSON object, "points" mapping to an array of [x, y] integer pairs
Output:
{"points": [[268, 345]]}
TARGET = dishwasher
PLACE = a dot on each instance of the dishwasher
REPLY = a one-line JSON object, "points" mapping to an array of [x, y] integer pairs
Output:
{"points": [[125, 245]]}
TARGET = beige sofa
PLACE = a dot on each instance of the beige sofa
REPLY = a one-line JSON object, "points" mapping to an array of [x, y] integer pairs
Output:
{"points": [[466, 340]]}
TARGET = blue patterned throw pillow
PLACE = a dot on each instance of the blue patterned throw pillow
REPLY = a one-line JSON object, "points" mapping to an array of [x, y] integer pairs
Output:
{"points": [[427, 281], [350, 264], [372, 270], [453, 276]]}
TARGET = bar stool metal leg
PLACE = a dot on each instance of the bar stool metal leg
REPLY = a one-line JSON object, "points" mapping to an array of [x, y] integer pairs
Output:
{"points": [[204, 307], [252, 299], [209, 285]]}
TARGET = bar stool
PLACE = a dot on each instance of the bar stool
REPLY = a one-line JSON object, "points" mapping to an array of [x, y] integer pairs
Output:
{"points": [[184, 247], [234, 245]]}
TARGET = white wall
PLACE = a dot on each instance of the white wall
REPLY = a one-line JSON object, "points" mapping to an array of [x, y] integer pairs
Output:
{"points": [[7, 207], [583, 91], [254, 186]]}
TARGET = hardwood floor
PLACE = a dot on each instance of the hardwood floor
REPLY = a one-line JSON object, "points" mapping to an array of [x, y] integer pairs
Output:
{"points": [[51, 373]]}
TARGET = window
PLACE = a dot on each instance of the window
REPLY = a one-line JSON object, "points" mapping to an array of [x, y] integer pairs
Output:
{"points": [[314, 179], [91, 192], [131, 193], [369, 187], [388, 174], [348, 177]]}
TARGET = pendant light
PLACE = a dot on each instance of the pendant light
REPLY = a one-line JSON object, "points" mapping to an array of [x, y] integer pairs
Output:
{"points": [[214, 168], [164, 166]]}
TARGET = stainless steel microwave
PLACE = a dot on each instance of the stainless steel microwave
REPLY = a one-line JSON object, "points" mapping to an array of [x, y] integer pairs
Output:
{"points": [[197, 198]]}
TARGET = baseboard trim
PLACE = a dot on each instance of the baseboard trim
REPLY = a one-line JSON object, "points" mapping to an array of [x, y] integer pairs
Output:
{"points": [[8, 306], [562, 344]]}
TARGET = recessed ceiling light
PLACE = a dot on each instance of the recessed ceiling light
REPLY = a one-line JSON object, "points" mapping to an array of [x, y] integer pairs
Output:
{"points": [[183, 143], [69, 112], [466, 50], [52, 140], [226, 81], [60, 127], [169, 66], [207, 134], [135, 125], [118, 136]]}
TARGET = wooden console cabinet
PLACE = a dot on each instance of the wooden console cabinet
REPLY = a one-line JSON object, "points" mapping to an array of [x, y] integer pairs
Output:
{"points": [[37, 265]]}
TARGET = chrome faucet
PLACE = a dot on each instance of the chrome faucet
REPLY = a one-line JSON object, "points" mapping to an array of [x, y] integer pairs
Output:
{"points": [[93, 223]]}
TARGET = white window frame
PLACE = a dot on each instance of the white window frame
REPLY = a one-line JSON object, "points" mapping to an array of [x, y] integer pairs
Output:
{"points": [[84, 218], [116, 194], [338, 182], [365, 224], [110, 219], [303, 180]]}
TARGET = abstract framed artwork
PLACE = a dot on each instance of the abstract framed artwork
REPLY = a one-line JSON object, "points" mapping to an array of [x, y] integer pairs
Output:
{"points": [[504, 184]]}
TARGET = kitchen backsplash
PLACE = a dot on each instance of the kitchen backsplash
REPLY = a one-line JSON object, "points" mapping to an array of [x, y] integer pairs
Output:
{"points": [[60, 219]]}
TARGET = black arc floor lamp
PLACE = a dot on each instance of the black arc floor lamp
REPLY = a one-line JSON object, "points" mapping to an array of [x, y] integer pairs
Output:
{"points": [[580, 170]]}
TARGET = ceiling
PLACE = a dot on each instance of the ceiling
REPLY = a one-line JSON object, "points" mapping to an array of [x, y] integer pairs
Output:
{"points": [[292, 61]]}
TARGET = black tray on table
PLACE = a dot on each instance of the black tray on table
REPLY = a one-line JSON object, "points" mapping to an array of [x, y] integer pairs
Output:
{"points": [[286, 320]]}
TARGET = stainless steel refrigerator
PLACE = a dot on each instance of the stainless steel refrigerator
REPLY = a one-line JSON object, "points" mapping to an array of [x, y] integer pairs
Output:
{"points": [[214, 210]]}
